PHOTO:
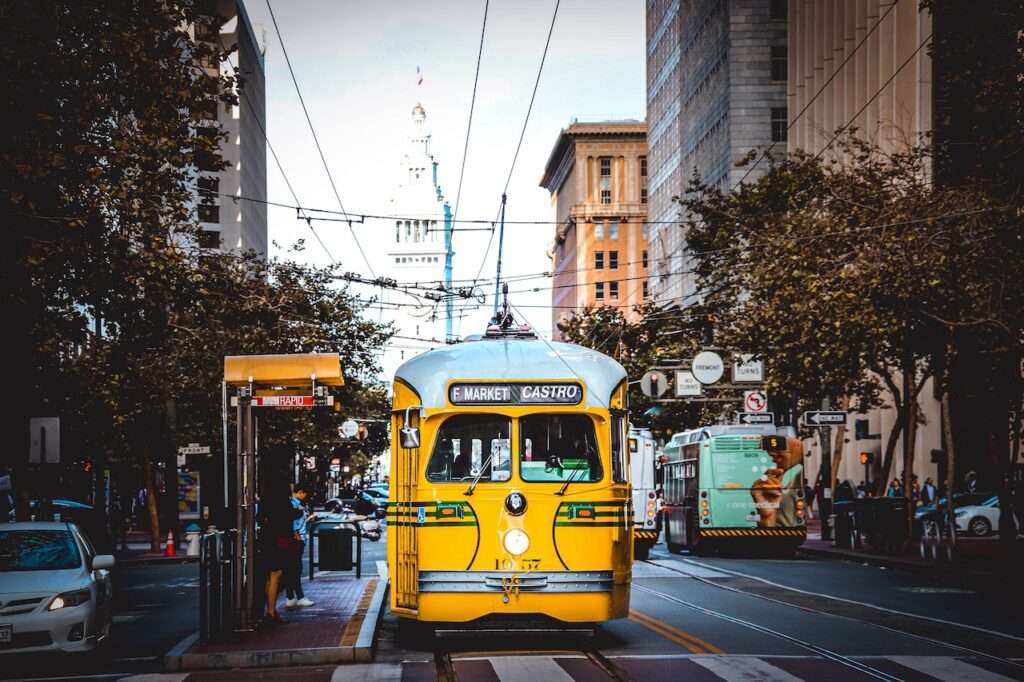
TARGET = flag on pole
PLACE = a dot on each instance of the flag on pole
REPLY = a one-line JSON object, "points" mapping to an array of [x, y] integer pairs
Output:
{"points": [[419, 76]]}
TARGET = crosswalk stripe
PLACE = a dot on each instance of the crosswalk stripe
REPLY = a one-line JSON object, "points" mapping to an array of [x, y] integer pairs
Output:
{"points": [[368, 672], [157, 677], [744, 669], [529, 669], [948, 669]]}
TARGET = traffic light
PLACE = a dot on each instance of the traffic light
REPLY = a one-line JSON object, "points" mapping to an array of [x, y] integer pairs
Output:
{"points": [[654, 383], [866, 458]]}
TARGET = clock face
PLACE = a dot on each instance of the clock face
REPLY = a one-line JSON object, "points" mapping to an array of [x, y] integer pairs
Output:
{"points": [[516, 541], [515, 503]]}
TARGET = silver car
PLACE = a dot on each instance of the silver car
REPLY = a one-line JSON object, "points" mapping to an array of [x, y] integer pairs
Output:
{"points": [[56, 593]]}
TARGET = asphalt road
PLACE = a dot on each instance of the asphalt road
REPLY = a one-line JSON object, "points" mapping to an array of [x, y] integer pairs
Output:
{"points": [[694, 619]]}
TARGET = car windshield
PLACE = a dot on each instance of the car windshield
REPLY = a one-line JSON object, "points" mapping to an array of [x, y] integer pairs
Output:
{"points": [[558, 447], [38, 550], [466, 446]]}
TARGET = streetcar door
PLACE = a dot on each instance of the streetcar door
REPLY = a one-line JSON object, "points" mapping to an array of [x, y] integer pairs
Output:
{"points": [[404, 479]]}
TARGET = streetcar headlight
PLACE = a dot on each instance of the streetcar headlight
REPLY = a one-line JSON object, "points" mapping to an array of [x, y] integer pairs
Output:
{"points": [[516, 541]]}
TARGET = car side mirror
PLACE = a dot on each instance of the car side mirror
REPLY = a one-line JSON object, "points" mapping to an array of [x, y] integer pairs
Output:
{"points": [[102, 561], [410, 435]]}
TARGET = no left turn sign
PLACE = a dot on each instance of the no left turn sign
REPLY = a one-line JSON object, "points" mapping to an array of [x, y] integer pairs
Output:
{"points": [[755, 401]]}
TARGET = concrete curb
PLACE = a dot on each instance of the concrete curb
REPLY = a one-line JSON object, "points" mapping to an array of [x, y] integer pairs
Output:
{"points": [[179, 660], [894, 562]]}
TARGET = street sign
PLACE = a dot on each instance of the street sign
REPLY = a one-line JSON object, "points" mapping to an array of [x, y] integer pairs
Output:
{"points": [[755, 401], [756, 418], [708, 367], [44, 440], [687, 384], [822, 418], [310, 462], [745, 368], [291, 401], [349, 428], [653, 384], [194, 449]]}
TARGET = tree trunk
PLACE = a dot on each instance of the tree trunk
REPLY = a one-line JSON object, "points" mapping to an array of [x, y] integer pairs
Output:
{"points": [[890, 449], [947, 435], [151, 506]]}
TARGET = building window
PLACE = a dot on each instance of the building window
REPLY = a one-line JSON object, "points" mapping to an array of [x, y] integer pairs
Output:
{"points": [[606, 166], [644, 259], [613, 260], [778, 124], [598, 231], [613, 230], [398, 231], [643, 195], [778, 62], [209, 213], [645, 289], [599, 291], [779, 9], [209, 239], [643, 166], [209, 185], [599, 260], [613, 290], [606, 196]]}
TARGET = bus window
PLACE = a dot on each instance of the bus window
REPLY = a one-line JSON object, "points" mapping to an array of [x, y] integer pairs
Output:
{"points": [[558, 447], [468, 445]]}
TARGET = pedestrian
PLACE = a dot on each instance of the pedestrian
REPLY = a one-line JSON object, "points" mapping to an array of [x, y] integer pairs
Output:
{"points": [[862, 490], [894, 488], [915, 490], [809, 500], [294, 596], [277, 536], [929, 493]]}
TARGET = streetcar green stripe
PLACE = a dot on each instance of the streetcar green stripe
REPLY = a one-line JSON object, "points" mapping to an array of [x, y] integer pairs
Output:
{"points": [[586, 524]]}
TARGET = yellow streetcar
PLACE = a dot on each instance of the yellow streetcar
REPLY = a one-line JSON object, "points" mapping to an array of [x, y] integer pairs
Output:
{"points": [[510, 482]]}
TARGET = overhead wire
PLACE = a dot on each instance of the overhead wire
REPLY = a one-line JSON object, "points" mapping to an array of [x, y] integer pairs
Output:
{"points": [[316, 139]]}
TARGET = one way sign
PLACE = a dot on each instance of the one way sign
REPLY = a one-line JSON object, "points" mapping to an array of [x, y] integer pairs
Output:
{"points": [[824, 418], [756, 418]]}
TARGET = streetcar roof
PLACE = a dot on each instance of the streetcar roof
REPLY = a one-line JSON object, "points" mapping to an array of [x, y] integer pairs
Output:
{"points": [[730, 430], [511, 359]]}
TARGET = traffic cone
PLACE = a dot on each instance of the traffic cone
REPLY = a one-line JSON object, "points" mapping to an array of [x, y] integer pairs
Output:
{"points": [[169, 549]]}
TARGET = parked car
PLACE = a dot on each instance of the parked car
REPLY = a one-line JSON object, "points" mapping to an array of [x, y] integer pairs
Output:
{"points": [[930, 514], [359, 502], [381, 496], [979, 519], [56, 592]]}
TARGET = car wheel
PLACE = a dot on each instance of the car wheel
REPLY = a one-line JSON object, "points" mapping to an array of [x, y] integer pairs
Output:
{"points": [[979, 526]]}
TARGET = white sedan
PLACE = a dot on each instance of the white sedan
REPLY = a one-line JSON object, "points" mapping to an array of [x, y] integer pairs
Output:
{"points": [[55, 591], [979, 519]]}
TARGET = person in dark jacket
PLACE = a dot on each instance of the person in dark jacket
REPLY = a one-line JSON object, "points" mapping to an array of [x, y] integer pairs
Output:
{"points": [[277, 534]]}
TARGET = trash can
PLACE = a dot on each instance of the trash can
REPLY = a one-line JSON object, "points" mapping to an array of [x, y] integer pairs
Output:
{"points": [[844, 524], [335, 545], [886, 523]]}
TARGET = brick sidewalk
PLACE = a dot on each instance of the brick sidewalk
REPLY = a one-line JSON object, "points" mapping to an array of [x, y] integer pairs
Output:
{"points": [[339, 627]]}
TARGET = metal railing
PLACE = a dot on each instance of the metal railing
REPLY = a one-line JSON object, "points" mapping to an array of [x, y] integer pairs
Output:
{"points": [[216, 584]]}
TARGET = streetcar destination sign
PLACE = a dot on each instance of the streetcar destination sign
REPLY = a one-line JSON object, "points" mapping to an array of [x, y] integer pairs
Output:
{"points": [[515, 394]]}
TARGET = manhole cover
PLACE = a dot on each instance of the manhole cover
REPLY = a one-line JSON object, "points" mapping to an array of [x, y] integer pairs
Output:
{"points": [[935, 590]]}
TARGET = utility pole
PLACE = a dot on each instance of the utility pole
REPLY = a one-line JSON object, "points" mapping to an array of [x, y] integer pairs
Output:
{"points": [[448, 253], [825, 434], [501, 244]]}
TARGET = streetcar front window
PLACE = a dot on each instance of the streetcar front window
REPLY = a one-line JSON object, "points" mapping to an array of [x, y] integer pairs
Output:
{"points": [[558, 447], [471, 445]]}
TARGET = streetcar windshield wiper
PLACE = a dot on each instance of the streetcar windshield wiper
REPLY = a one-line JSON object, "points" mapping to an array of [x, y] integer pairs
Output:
{"points": [[572, 477], [476, 479]]}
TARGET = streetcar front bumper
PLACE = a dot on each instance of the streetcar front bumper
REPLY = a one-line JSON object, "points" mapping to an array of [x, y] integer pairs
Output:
{"points": [[512, 581]]}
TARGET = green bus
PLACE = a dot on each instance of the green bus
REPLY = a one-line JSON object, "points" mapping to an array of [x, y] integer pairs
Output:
{"points": [[734, 485]]}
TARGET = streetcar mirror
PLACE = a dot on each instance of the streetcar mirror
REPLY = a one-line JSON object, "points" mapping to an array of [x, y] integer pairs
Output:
{"points": [[410, 437]]}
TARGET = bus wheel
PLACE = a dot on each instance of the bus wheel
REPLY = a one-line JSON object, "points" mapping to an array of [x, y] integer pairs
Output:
{"points": [[641, 551]]}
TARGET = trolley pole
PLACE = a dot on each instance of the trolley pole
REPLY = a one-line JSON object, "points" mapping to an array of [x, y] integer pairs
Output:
{"points": [[501, 244]]}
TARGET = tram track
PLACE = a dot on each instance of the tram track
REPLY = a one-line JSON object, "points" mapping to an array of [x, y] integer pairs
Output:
{"points": [[964, 650], [817, 650]]}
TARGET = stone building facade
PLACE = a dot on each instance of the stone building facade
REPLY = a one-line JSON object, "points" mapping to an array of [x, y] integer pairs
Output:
{"points": [[597, 177]]}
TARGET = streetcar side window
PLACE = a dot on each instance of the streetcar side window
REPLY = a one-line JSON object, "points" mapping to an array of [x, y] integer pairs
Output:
{"points": [[558, 447], [619, 467], [471, 445]]}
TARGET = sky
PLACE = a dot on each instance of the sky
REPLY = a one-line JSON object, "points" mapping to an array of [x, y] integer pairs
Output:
{"points": [[356, 66]]}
